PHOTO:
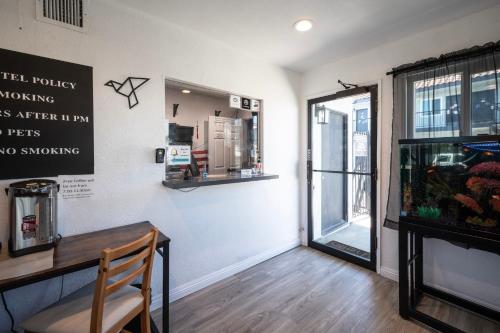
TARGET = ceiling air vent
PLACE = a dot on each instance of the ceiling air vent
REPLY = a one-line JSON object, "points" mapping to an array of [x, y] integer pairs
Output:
{"points": [[69, 14]]}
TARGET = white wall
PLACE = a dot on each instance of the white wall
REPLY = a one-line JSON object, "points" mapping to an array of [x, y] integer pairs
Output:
{"points": [[458, 270], [214, 230]]}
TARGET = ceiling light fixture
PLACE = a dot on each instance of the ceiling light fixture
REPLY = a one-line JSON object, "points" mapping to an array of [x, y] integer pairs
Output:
{"points": [[303, 25], [185, 91]]}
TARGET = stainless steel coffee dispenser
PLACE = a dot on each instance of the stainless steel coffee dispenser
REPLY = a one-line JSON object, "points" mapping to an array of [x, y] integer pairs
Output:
{"points": [[33, 216]]}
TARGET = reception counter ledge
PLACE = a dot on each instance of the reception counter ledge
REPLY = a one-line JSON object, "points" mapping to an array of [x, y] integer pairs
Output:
{"points": [[214, 180]]}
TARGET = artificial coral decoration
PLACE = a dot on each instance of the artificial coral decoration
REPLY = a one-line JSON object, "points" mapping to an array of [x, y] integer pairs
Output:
{"points": [[492, 168], [495, 203], [478, 184], [479, 221], [481, 188], [468, 202]]}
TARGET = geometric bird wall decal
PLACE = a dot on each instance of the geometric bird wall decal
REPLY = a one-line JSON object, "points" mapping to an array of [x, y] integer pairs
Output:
{"points": [[128, 88]]}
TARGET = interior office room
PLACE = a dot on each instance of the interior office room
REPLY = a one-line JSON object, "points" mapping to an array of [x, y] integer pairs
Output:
{"points": [[249, 166]]}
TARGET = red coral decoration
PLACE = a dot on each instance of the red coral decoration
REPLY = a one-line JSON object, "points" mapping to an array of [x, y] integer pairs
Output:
{"points": [[486, 167], [477, 184], [495, 203], [468, 202]]}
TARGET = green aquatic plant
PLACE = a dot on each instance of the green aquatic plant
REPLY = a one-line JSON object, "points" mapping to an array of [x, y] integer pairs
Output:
{"points": [[429, 212], [437, 187]]}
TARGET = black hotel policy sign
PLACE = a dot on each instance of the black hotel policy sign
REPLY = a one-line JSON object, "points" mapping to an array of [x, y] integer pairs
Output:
{"points": [[46, 117]]}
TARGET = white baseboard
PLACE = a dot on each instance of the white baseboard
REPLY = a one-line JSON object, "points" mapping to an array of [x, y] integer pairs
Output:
{"points": [[209, 279], [394, 275], [464, 296], [389, 273], [156, 302]]}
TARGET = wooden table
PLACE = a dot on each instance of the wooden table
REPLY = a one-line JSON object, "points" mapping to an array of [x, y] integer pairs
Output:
{"points": [[75, 253]]}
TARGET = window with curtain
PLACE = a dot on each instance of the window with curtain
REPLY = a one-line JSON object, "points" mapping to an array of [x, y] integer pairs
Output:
{"points": [[456, 94]]}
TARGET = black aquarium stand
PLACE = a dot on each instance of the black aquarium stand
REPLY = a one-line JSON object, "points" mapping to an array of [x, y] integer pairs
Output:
{"points": [[411, 285]]}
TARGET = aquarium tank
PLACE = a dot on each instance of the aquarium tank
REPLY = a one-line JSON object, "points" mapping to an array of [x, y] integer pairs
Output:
{"points": [[452, 181]]}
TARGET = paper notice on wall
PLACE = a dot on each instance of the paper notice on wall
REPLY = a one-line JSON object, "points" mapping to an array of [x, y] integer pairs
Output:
{"points": [[76, 186]]}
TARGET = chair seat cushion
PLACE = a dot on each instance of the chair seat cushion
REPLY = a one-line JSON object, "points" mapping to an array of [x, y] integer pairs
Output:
{"points": [[72, 313]]}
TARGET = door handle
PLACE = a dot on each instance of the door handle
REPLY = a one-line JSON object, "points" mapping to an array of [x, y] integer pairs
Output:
{"points": [[309, 172]]}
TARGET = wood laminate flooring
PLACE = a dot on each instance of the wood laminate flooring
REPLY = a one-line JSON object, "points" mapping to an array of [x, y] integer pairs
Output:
{"points": [[300, 291]]}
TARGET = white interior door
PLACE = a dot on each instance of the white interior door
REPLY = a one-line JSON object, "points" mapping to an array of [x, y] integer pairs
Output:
{"points": [[224, 144]]}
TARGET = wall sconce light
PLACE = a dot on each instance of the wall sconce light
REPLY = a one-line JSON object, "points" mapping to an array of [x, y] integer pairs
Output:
{"points": [[322, 115]]}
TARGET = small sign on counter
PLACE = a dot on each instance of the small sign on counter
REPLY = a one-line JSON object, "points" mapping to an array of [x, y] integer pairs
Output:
{"points": [[178, 155], [246, 173]]}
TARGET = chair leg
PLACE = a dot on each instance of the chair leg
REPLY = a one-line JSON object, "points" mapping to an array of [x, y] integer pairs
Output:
{"points": [[145, 317], [145, 324]]}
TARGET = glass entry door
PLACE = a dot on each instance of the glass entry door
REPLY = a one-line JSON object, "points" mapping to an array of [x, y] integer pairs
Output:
{"points": [[342, 175]]}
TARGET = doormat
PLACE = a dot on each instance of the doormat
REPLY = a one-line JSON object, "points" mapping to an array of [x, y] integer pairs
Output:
{"points": [[349, 249]]}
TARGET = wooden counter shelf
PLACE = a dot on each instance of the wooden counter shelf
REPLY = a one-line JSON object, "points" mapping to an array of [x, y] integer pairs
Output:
{"points": [[214, 180]]}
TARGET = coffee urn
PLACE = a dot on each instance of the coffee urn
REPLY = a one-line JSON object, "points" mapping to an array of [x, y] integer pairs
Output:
{"points": [[33, 216]]}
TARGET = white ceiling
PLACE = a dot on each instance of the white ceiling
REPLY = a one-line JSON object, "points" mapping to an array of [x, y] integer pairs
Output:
{"points": [[264, 28]]}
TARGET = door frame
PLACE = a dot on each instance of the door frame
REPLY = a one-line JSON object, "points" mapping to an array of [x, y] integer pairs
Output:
{"points": [[372, 263]]}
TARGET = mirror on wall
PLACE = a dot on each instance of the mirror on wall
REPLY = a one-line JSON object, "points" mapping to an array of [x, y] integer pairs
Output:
{"points": [[210, 132]]}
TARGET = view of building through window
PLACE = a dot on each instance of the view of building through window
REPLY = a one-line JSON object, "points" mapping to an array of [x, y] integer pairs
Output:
{"points": [[438, 105], [484, 104], [440, 117]]}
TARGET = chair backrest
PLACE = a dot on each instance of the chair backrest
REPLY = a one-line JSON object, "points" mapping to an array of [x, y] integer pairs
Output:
{"points": [[139, 253]]}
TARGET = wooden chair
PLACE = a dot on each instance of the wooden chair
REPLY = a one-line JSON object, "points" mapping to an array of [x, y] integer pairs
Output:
{"points": [[105, 306]]}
